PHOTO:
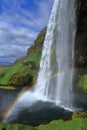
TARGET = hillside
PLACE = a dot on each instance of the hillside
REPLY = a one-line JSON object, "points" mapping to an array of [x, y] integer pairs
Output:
{"points": [[24, 71]]}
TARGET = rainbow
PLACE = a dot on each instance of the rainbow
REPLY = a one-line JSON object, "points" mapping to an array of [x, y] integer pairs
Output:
{"points": [[15, 103], [21, 95]]}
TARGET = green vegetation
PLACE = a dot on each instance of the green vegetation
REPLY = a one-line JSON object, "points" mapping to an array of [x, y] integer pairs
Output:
{"points": [[33, 56], [75, 124], [15, 127], [8, 87], [38, 42], [81, 115], [83, 82], [3, 70], [78, 122], [19, 74], [24, 71]]}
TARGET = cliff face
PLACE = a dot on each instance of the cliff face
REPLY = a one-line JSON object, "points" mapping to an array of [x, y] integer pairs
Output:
{"points": [[81, 47], [38, 43], [81, 35], [28, 65]]}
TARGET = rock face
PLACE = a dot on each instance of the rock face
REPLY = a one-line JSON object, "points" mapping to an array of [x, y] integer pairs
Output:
{"points": [[81, 36], [81, 47], [38, 42], [18, 75]]}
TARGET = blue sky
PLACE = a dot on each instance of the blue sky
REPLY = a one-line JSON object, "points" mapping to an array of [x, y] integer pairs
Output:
{"points": [[20, 23]]}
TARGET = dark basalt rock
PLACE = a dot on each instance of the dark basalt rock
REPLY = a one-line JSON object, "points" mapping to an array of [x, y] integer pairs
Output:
{"points": [[81, 35]]}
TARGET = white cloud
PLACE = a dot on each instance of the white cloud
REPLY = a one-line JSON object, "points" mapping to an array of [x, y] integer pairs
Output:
{"points": [[15, 40], [19, 27]]}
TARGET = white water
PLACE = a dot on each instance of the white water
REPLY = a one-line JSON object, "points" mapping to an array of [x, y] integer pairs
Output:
{"points": [[55, 77], [58, 55]]}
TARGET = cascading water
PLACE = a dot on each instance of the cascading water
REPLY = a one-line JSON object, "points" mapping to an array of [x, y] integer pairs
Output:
{"points": [[55, 78]]}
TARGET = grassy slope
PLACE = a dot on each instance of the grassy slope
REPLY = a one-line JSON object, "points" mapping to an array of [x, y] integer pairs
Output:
{"points": [[20, 73], [3, 69], [15, 127], [22, 68], [74, 124], [78, 122]]}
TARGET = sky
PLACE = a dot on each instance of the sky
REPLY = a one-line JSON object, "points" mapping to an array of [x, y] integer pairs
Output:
{"points": [[20, 23]]}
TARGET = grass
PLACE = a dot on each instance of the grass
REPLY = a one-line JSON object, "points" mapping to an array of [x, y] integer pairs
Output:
{"points": [[78, 122], [2, 68], [75, 124], [15, 127], [18, 73], [7, 87], [8, 73], [15, 69], [33, 56]]}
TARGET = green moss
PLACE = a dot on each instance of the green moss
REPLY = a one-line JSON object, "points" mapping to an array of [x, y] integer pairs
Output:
{"points": [[82, 115], [82, 83]]}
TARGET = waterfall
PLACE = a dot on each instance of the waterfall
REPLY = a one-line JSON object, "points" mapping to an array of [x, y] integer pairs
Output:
{"points": [[55, 77]]}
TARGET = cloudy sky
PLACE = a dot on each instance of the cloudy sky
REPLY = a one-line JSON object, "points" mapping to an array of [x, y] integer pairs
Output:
{"points": [[20, 23]]}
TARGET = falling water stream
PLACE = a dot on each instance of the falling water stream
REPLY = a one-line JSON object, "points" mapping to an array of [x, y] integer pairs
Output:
{"points": [[58, 55], [55, 77]]}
